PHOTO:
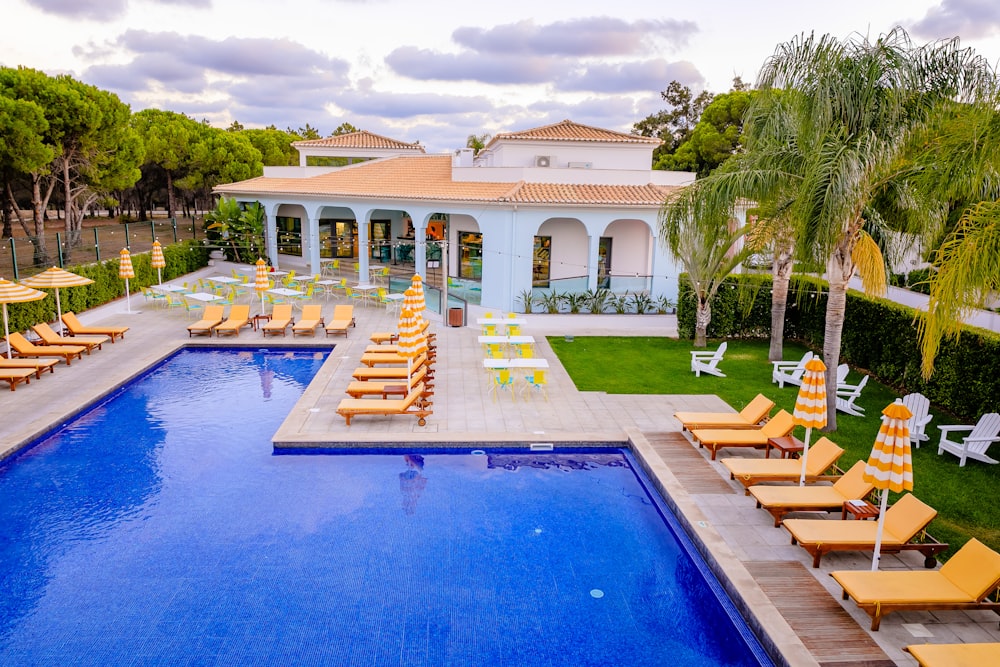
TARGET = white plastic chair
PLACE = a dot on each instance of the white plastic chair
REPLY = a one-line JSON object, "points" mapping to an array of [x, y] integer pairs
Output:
{"points": [[973, 446], [919, 408], [707, 362], [847, 394], [789, 372]]}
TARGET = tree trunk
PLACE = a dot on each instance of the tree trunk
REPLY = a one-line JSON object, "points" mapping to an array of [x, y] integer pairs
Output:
{"points": [[782, 272], [41, 257], [839, 269], [171, 203], [703, 316]]}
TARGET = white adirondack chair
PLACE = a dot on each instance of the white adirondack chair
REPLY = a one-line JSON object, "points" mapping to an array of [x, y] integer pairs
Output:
{"points": [[705, 361], [847, 394], [789, 372], [919, 407], [974, 445]]}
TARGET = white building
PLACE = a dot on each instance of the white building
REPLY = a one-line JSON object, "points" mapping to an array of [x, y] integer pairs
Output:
{"points": [[565, 207]]}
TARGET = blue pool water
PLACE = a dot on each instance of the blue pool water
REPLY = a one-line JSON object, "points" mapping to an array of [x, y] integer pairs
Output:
{"points": [[159, 528]]}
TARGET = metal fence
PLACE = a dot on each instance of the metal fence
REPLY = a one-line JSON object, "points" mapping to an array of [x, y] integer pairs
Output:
{"points": [[23, 256]]}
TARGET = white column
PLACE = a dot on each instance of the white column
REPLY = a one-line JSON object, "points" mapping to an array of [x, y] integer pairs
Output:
{"points": [[271, 231]]}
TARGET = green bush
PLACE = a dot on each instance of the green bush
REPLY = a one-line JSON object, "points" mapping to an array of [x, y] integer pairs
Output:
{"points": [[879, 337], [181, 259]]}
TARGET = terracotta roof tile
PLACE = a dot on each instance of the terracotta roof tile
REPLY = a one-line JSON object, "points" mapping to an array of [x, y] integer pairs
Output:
{"points": [[360, 139], [428, 177], [567, 130]]}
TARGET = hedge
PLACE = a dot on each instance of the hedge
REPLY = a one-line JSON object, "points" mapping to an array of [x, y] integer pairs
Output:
{"points": [[181, 259], [879, 337]]}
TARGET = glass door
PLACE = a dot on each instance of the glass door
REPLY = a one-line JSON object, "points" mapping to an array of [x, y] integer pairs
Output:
{"points": [[470, 263], [604, 263], [540, 264]]}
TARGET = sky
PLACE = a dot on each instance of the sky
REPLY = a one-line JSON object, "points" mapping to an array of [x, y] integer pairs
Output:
{"points": [[436, 71]]}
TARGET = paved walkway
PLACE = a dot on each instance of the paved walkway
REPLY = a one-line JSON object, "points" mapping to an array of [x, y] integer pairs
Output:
{"points": [[737, 539]]}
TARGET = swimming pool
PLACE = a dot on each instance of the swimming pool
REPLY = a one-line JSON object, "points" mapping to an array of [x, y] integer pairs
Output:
{"points": [[159, 528]]}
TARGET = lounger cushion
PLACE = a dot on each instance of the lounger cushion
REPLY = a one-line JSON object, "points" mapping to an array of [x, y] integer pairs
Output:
{"points": [[900, 586], [975, 568], [748, 417], [822, 455], [956, 655]]}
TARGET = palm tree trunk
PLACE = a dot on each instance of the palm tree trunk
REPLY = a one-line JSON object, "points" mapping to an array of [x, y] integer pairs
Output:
{"points": [[782, 271], [839, 269], [703, 315]]}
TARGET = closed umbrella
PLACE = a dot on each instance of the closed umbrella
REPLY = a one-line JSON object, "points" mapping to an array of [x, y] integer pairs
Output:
{"points": [[157, 261], [14, 293], [890, 466], [412, 341], [56, 278], [261, 280], [126, 271], [810, 405], [419, 303]]}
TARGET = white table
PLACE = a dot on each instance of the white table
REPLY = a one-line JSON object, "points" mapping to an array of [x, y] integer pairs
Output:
{"points": [[277, 273], [519, 362], [366, 290], [203, 296], [501, 320], [168, 288], [507, 340], [223, 280], [284, 291]]}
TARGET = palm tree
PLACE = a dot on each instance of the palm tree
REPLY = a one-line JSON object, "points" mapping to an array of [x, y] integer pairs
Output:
{"points": [[827, 139]]}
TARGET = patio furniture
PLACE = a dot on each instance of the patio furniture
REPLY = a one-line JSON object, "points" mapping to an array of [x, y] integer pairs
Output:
{"points": [[77, 329], [343, 319], [12, 376], [210, 318], [781, 500], [973, 446], [823, 456], [25, 348], [312, 317], [789, 372], [749, 417], [239, 317], [707, 362], [919, 408], [415, 403], [847, 394], [50, 337], [37, 366], [905, 523], [717, 438], [965, 582], [955, 655], [390, 387], [281, 319]]}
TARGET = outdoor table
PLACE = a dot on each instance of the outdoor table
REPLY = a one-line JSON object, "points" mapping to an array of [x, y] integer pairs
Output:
{"points": [[277, 273], [257, 319], [859, 509], [366, 290], [507, 340], [284, 291], [785, 444], [169, 288], [396, 300], [203, 296], [501, 320], [519, 362], [224, 280]]}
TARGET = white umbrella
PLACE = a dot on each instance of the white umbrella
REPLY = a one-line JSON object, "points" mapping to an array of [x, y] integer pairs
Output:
{"points": [[890, 466], [810, 405], [126, 271], [55, 278], [261, 281], [411, 343], [157, 261], [14, 293]]}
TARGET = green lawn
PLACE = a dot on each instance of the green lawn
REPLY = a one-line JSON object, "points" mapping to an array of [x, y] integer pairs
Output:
{"points": [[966, 498]]}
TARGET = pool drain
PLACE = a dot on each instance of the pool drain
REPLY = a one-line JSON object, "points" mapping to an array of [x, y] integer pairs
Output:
{"points": [[597, 593], [478, 452]]}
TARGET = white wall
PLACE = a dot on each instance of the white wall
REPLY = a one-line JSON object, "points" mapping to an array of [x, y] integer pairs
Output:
{"points": [[569, 247]]}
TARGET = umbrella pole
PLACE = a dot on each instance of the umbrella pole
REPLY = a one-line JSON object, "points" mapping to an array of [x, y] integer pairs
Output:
{"points": [[878, 532], [159, 275], [6, 332], [805, 457], [59, 323], [128, 302]]}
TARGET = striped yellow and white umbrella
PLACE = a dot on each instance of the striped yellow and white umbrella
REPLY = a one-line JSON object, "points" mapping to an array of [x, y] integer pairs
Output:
{"points": [[56, 278], [126, 271], [419, 303], [411, 302], [14, 293], [157, 261], [412, 340], [810, 405], [261, 281], [890, 466]]}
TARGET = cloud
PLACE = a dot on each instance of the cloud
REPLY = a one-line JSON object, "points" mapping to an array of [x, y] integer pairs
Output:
{"points": [[405, 105], [103, 10], [969, 19], [423, 64], [631, 76], [597, 36]]}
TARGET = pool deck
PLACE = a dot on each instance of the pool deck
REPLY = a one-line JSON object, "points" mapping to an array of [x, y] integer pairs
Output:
{"points": [[796, 607]]}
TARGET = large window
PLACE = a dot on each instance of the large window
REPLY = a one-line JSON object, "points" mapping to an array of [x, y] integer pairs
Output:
{"points": [[337, 238], [604, 262], [289, 235], [381, 242], [541, 259], [470, 255]]}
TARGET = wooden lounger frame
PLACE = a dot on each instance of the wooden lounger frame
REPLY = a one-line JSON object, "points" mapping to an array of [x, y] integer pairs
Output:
{"points": [[13, 376], [929, 546], [74, 328], [415, 404], [29, 349]]}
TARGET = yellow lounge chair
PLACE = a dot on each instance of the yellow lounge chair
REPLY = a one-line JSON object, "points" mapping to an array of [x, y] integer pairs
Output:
{"points": [[343, 318], [780, 500], [14, 375], [239, 317], [312, 317], [391, 372], [380, 337], [25, 348], [76, 329], [281, 319], [210, 318], [749, 417], [822, 456], [37, 366], [414, 404], [955, 655], [386, 388], [904, 521], [50, 337], [717, 438], [965, 582]]}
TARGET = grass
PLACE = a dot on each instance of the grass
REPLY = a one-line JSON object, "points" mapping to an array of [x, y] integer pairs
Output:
{"points": [[965, 498]]}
